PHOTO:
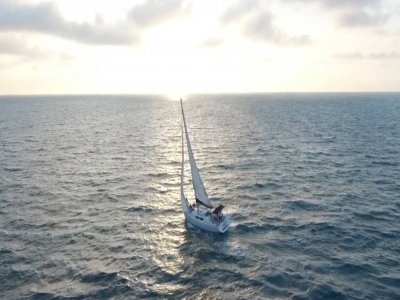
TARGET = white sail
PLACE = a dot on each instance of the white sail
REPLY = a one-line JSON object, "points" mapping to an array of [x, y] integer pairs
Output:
{"points": [[199, 190]]}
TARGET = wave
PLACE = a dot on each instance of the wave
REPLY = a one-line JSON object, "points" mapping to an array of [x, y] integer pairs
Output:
{"points": [[99, 285], [267, 185], [99, 277], [384, 182], [246, 228], [304, 205], [224, 166], [261, 186], [314, 206], [385, 163], [159, 175], [320, 291], [354, 269], [148, 209], [372, 216], [13, 169]]}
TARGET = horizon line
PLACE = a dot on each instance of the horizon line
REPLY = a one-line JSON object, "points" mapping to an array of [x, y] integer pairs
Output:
{"points": [[184, 95]]}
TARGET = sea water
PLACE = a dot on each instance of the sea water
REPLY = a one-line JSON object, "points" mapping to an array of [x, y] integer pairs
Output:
{"points": [[90, 208]]}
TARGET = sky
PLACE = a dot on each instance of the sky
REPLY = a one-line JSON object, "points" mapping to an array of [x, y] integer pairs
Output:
{"points": [[178, 47]]}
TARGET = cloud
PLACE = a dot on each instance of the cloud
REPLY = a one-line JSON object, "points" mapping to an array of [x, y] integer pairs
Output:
{"points": [[361, 18], [211, 42], [239, 10], [18, 47], [45, 18], [15, 51], [345, 3], [152, 12], [341, 3], [261, 27], [369, 56], [258, 24], [352, 13]]}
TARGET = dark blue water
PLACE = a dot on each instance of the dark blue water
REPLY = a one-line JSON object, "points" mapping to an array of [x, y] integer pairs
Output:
{"points": [[90, 209]]}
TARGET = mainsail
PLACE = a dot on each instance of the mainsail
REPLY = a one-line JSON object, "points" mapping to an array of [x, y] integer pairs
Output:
{"points": [[198, 186]]}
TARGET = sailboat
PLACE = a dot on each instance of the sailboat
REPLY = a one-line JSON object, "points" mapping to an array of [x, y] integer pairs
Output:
{"points": [[201, 213]]}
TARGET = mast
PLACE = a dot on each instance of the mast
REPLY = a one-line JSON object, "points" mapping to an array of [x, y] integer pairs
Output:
{"points": [[198, 186], [182, 166], [185, 203]]}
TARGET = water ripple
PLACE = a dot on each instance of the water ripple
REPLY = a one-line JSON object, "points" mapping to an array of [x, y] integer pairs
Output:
{"points": [[89, 197]]}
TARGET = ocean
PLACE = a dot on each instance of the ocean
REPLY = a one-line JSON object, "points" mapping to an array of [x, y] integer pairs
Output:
{"points": [[90, 207]]}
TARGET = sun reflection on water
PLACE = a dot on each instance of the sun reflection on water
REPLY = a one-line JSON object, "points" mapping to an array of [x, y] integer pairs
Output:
{"points": [[173, 248], [167, 231]]}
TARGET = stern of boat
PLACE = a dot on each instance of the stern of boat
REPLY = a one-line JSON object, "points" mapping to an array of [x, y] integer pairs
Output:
{"points": [[224, 225]]}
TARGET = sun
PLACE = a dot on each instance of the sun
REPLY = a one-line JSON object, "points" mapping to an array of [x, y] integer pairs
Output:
{"points": [[173, 96]]}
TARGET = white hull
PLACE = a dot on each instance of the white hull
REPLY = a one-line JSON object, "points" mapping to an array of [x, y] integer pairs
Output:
{"points": [[203, 218], [199, 219]]}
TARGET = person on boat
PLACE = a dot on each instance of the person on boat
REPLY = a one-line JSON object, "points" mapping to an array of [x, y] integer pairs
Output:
{"points": [[190, 205], [217, 214]]}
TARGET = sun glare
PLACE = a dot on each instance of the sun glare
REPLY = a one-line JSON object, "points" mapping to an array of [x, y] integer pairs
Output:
{"points": [[173, 96]]}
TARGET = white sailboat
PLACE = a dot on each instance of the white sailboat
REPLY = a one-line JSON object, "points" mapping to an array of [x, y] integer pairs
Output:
{"points": [[200, 213]]}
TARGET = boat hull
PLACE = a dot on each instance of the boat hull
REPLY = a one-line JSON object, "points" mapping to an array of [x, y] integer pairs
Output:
{"points": [[202, 219]]}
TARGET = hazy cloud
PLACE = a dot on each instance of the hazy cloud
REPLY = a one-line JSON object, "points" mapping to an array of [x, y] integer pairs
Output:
{"points": [[341, 3], [372, 55], [18, 47], [152, 12], [361, 18], [16, 51], [45, 18], [211, 42], [237, 11], [261, 27], [258, 24], [354, 12]]}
